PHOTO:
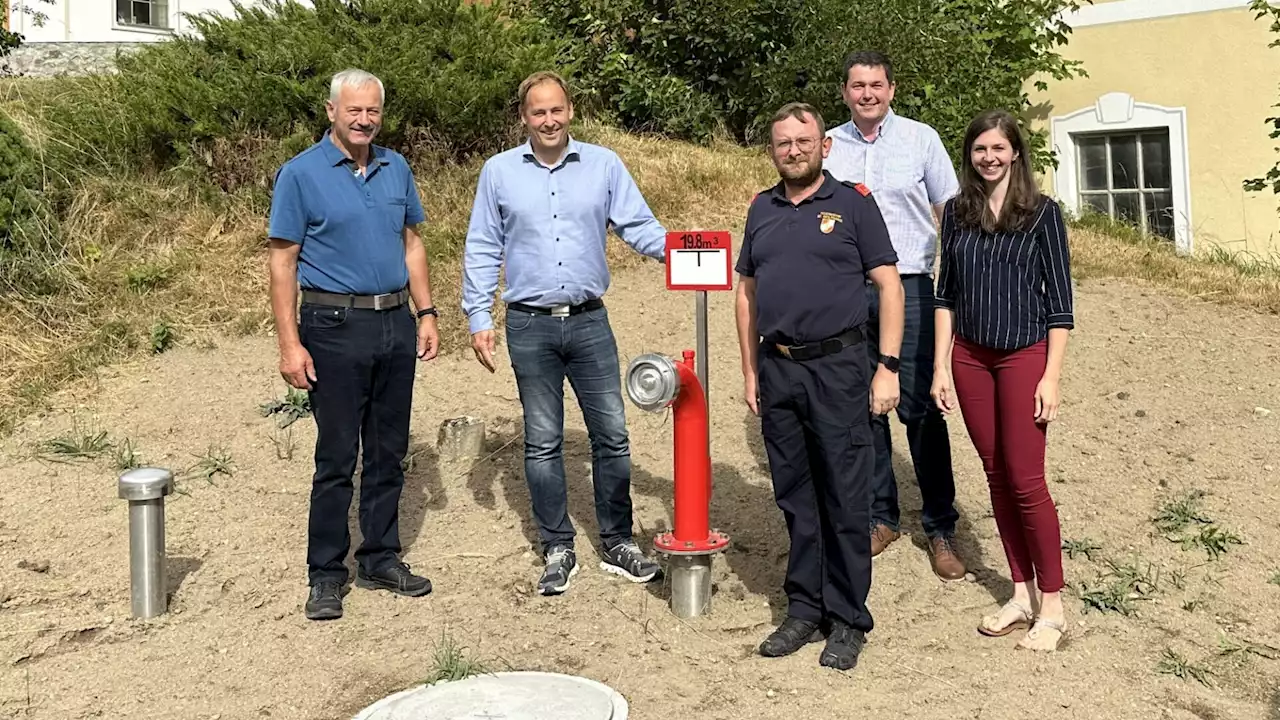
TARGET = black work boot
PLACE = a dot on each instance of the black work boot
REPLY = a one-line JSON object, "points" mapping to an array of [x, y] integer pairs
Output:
{"points": [[394, 577], [843, 647], [324, 601], [790, 636]]}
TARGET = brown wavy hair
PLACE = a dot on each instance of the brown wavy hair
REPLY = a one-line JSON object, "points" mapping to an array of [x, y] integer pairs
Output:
{"points": [[1023, 197]]}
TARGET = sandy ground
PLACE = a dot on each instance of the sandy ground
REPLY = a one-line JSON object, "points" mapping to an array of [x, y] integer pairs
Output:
{"points": [[1160, 398]]}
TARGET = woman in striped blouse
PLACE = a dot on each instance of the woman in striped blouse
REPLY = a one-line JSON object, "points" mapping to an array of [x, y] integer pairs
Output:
{"points": [[1004, 302]]}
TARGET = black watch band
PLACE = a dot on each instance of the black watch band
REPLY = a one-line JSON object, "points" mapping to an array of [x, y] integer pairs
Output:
{"points": [[890, 363], [427, 311]]}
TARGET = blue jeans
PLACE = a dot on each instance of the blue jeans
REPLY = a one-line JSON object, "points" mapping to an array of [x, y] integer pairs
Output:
{"points": [[543, 350], [927, 436]]}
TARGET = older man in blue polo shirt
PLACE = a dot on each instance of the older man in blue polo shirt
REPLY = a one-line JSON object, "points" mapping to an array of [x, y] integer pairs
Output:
{"points": [[545, 207], [342, 227], [905, 164]]}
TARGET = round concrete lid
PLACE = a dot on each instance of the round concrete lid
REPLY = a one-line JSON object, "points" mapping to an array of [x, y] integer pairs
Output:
{"points": [[503, 696], [145, 484]]}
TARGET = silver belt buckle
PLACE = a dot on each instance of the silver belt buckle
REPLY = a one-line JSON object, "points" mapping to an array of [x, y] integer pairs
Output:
{"points": [[378, 300], [559, 311]]}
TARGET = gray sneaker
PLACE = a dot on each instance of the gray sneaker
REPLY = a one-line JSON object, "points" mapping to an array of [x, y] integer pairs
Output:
{"points": [[625, 559], [562, 565]]}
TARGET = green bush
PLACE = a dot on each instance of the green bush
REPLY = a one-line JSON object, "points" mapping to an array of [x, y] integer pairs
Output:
{"points": [[688, 68], [19, 188], [244, 92], [26, 235]]}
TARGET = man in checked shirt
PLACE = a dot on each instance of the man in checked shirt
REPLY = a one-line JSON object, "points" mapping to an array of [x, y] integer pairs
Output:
{"points": [[905, 164]]}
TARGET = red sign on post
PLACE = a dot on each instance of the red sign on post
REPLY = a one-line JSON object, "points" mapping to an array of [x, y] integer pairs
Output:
{"points": [[699, 260]]}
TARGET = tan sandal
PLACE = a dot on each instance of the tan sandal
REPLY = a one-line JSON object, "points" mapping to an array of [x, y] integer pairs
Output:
{"points": [[1021, 624], [1040, 625]]}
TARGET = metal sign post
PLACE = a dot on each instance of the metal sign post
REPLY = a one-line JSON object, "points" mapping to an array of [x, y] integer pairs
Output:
{"points": [[700, 261]]}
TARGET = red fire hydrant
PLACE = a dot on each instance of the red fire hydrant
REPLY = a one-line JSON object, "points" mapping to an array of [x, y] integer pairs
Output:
{"points": [[653, 383]]}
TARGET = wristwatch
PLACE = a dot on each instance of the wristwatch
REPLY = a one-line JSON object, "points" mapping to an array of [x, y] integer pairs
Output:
{"points": [[890, 363], [427, 311]]}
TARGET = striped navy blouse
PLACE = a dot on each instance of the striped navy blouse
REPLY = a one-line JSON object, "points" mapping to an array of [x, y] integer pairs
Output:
{"points": [[1006, 288]]}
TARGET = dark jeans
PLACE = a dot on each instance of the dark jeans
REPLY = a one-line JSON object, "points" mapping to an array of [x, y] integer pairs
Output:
{"points": [[365, 362], [814, 417], [543, 350], [927, 437]]}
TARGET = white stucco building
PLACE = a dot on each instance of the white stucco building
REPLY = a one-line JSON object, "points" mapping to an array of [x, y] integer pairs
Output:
{"points": [[109, 21]]}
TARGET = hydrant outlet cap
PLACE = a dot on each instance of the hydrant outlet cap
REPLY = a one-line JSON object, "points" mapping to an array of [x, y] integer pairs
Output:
{"points": [[145, 484]]}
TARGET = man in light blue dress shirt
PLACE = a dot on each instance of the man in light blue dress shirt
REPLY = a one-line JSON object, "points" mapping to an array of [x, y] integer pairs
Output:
{"points": [[544, 207], [907, 167]]}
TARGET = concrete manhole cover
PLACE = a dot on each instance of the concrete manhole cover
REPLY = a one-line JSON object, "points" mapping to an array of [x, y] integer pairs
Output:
{"points": [[503, 696]]}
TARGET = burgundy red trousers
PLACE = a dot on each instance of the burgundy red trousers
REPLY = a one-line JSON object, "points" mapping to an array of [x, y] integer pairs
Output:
{"points": [[997, 394]]}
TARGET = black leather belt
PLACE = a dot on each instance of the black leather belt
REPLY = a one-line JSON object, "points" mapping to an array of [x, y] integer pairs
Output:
{"points": [[832, 345], [558, 310], [385, 301]]}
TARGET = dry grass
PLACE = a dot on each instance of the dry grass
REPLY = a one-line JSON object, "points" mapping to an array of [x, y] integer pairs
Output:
{"points": [[140, 254], [144, 254], [1103, 249]]}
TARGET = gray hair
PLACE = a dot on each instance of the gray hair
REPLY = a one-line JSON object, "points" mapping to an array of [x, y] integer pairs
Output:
{"points": [[354, 78]]}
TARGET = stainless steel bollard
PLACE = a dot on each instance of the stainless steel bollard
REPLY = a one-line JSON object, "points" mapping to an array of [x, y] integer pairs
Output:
{"points": [[690, 585], [145, 489]]}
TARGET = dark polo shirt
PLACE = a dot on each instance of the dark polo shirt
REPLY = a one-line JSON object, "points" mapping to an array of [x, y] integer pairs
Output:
{"points": [[350, 226], [810, 260]]}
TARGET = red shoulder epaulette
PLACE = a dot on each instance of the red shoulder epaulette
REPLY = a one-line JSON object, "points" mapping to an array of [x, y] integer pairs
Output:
{"points": [[862, 189]]}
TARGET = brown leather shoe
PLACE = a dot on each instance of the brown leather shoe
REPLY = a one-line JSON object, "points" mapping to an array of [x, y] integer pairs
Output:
{"points": [[946, 561], [881, 536]]}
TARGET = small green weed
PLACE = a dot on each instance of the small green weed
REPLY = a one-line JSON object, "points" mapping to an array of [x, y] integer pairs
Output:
{"points": [[1084, 546], [295, 406], [215, 461], [1275, 579], [75, 444], [285, 443], [126, 456], [1233, 647], [1118, 589], [162, 336], [1171, 663], [1213, 539], [149, 276], [450, 662], [1175, 515]]}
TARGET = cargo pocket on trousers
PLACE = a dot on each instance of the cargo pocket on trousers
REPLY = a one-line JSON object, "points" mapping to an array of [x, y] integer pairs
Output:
{"points": [[861, 456]]}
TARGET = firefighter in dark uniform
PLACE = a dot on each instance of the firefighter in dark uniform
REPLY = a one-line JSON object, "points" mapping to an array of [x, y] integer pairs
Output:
{"points": [[810, 243]]}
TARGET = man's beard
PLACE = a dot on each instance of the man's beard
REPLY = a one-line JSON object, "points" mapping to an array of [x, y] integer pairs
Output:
{"points": [[793, 175]]}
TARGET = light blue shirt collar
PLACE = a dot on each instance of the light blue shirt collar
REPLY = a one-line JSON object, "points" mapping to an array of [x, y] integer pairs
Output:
{"points": [[885, 125], [572, 151]]}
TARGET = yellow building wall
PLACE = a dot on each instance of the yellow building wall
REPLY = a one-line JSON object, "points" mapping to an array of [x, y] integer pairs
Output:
{"points": [[1218, 66]]}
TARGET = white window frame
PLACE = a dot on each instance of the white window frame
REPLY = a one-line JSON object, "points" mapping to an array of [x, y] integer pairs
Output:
{"points": [[1118, 112], [154, 29]]}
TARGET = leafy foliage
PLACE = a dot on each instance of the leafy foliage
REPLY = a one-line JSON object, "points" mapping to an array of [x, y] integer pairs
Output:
{"points": [[689, 68], [251, 86], [1261, 9], [17, 177]]}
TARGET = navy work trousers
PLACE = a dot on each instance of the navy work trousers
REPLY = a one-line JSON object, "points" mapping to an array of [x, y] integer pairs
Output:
{"points": [[815, 417], [365, 362], [927, 437]]}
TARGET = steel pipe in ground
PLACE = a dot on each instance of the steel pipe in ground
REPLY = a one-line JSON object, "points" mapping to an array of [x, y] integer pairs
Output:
{"points": [[145, 489]]}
